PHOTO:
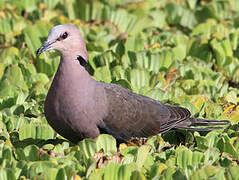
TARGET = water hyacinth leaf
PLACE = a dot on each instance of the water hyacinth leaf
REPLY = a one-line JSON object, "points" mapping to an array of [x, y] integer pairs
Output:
{"points": [[157, 94], [124, 21], [31, 153], [28, 7], [51, 4], [192, 3], [232, 172], [125, 171], [188, 19], [205, 29], [157, 169], [8, 55], [142, 155], [34, 34], [225, 145], [104, 59], [223, 51], [118, 73], [179, 52], [151, 61], [198, 49], [111, 171], [107, 143], [103, 74], [168, 173], [137, 175], [2, 68], [138, 79], [159, 18], [174, 13], [211, 155], [7, 153], [88, 147], [231, 97], [187, 158], [12, 82], [202, 142], [36, 131], [206, 172], [7, 174], [167, 59], [234, 39], [41, 167], [51, 173], [86, 10]]}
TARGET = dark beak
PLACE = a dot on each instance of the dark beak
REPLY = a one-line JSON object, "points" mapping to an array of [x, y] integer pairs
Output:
{"points": [[46, 46]]}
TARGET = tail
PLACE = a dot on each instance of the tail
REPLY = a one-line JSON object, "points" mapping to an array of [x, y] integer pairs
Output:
{"points": [[193, 123]]}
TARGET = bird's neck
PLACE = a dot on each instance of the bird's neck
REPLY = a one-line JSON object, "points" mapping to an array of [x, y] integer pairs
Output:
{"points": [[70, 69]]}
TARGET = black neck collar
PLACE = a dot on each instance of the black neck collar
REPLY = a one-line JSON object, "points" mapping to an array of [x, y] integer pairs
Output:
{"points": [[82, 61]]}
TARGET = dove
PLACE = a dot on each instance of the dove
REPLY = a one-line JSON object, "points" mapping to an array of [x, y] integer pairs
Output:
{"points": [[77, 106]]}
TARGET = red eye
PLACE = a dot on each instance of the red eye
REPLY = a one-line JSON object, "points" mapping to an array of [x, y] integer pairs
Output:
{"points": [[64, 35]]}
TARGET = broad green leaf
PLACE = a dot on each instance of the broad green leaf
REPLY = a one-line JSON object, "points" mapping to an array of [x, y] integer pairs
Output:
{"points": [[34, 34], [111, 171], [88, 147], [41, 167], [107, 143], [142, 155], [7, 174], [225, 145], [138, 79], [103, 74], [232, 173], [36, 131], [12, 82], [31, 153], [117, 172], [206, 172], [187, 160]]}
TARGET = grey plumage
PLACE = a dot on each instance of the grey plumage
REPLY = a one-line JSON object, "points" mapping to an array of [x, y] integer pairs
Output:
{"points": [[79, 107]]}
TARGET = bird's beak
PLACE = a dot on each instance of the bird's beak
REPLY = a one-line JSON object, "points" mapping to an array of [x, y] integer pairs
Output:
{"points": [[45, 47]]}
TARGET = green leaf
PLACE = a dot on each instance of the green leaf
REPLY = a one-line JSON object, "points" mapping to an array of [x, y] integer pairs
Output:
{"points": [[33, 35], [30, 153], [138, 79], [42, 167], [103, 74], [88, 147], [12, 82], [225, 145], [142, 155], [111, 171], [36, 131], [232, 173], [107, 143], [186, 159], [206, 173], [7, 174]]}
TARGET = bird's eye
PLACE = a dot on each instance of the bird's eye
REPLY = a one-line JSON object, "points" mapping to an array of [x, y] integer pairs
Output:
{"points": [[64, 35]]}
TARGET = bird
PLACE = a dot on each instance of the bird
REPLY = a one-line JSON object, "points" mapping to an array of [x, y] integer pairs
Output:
{"points": [[77, 106]]}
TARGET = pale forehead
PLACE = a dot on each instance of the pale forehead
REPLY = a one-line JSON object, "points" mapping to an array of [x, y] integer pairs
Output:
{"points": [[59, 29]]}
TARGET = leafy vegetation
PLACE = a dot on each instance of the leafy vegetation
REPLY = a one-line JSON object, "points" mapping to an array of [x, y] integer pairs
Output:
{"points": [[179, 52]]}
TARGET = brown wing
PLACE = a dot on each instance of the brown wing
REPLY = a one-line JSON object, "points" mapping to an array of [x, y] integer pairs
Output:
{"points": [[132, 115]]}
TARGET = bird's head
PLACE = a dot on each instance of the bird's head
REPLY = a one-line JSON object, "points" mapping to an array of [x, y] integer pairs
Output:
{"points": [[67, 40]]}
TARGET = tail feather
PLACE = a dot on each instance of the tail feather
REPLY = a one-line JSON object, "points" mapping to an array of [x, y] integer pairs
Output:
{"points": [[193, 123]]}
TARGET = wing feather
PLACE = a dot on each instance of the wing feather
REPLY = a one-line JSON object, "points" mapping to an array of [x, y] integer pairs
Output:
{"points": [[133, 115]]}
